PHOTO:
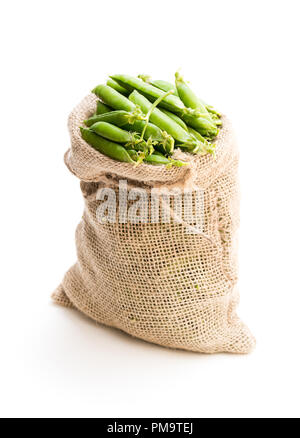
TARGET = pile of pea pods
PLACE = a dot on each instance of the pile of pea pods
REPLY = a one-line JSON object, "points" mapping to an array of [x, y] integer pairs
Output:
{"points": [[142, 120]]}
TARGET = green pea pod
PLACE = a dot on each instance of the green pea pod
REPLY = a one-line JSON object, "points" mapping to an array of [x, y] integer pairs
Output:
{"points": [[206, 127], [111, 132], [102, 108], [113, 84], [188, 97], [175, 118], [171, 103], [160, 119], [197, 135], [118, 118], [113, 98], [157, 159], [204, 147], [108, 148], [160, 160], [164, 86]]}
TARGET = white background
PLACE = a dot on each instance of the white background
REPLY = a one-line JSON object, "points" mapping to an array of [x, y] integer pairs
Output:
{"points": [[241, 56]]}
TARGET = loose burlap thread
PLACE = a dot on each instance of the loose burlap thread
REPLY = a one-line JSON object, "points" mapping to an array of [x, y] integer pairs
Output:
{"points": [[156, 281]]}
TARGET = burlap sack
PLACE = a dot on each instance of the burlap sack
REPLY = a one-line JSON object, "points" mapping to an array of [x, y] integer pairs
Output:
{"points": [[157, 281]]}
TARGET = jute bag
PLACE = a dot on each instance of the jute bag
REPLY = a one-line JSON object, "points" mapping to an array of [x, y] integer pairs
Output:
{"points": [[172, 284]]}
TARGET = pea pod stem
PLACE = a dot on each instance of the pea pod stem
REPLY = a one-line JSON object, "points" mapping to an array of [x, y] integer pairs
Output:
{"points": [[151, 109]]}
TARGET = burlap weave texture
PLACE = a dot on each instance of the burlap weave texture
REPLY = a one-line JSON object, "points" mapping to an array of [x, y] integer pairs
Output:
{"points": [[155, 281]]}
